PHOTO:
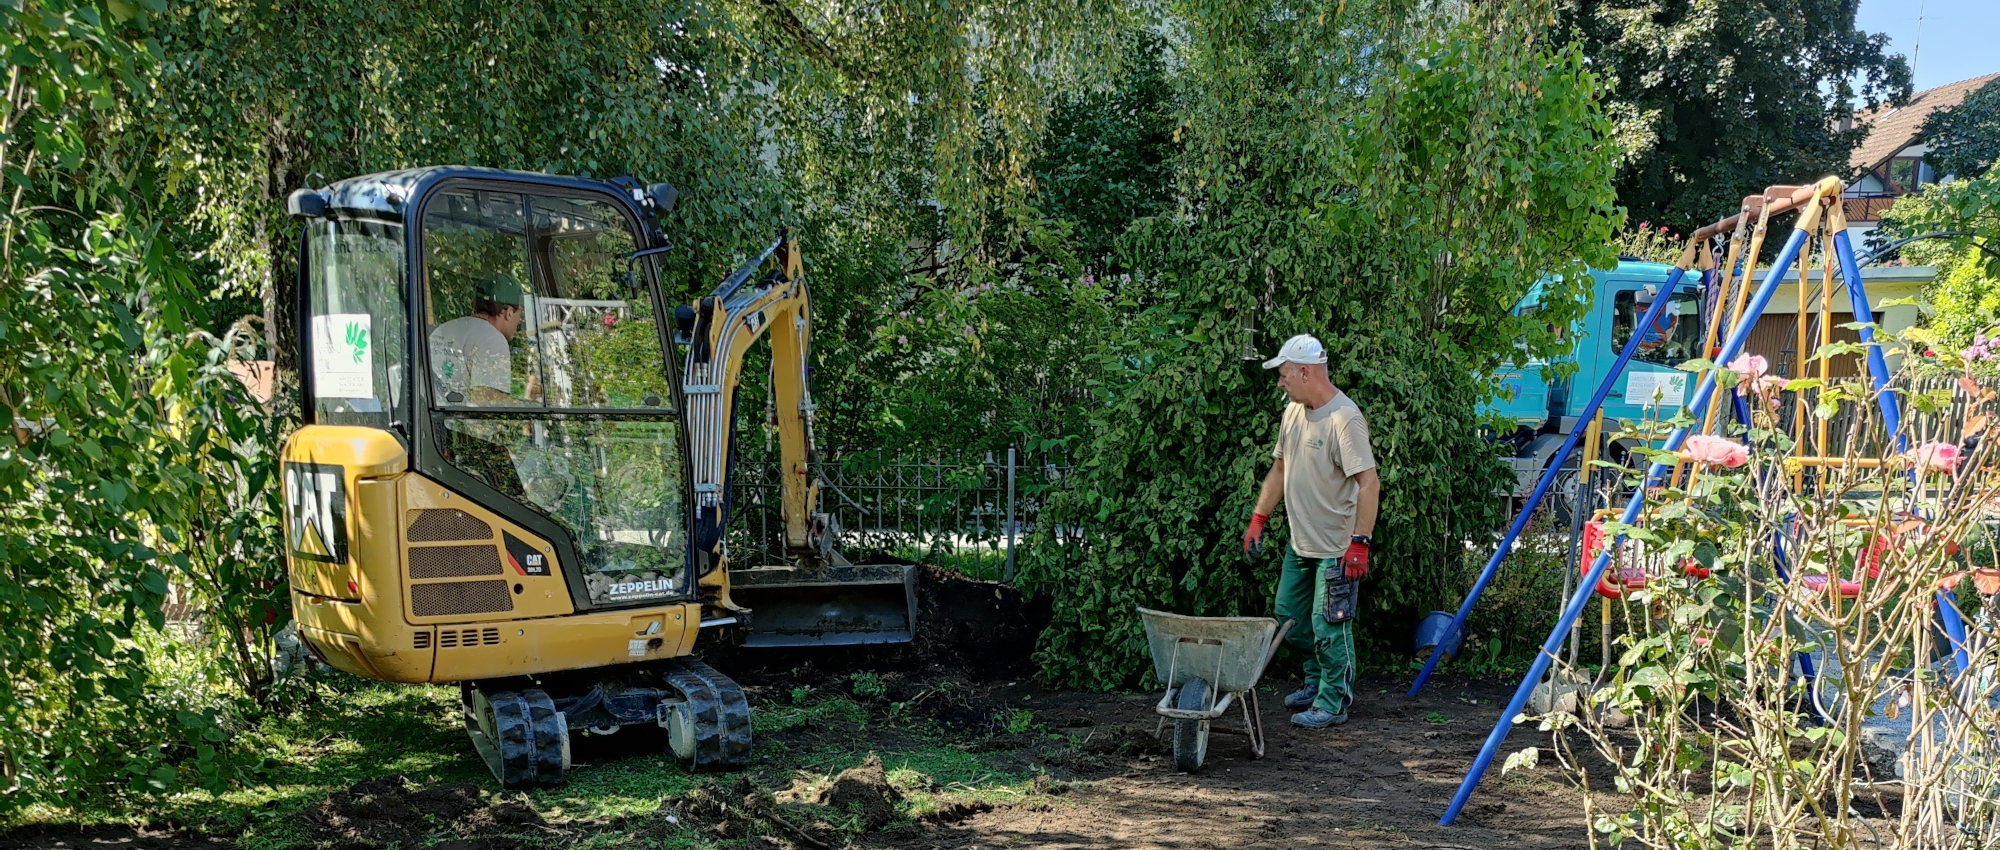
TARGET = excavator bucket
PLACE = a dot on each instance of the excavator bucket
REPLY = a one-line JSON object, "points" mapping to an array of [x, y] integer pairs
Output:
{"points": [[833, 605]]}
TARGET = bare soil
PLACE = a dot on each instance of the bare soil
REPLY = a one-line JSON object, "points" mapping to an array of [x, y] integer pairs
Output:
{"points": [[1382, 780], [1101, 778]]}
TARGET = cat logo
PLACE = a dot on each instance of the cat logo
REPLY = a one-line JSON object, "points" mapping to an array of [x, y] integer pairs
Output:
{"points": [[523, 557], [316, 512]]}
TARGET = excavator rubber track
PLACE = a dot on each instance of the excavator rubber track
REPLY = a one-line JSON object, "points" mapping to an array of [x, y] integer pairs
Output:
{"points": [[720, 711], [520, 735]]}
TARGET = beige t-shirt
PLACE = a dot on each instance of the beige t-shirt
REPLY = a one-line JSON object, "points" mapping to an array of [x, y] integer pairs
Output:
{"points": [[1323, 450]]}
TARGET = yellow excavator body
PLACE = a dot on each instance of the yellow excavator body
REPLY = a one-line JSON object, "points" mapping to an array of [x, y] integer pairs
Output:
{"points": [[514, 472], [429, 591]]}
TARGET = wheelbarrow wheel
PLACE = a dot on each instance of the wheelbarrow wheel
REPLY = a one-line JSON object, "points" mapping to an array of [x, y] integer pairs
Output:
{"points": [[1191, 736]]}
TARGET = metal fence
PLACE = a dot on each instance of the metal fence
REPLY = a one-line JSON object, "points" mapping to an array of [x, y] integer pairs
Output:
{"points": [[1943, 422], [961, 509]]}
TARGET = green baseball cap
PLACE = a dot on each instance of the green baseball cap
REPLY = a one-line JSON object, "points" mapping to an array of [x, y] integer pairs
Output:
{"points": [[499, 288]]}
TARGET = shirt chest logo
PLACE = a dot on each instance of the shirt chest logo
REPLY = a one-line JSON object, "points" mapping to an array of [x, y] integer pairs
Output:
{"points": [[1316, 443]]}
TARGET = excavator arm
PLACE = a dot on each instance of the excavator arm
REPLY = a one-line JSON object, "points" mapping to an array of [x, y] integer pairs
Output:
{"points": [[818, 598]]}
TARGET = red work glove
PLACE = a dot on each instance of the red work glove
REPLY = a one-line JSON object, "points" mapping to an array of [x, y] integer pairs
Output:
{"points": [[1253, 537], [1355, 561]]}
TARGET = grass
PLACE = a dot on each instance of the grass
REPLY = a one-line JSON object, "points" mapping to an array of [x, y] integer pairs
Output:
{"points": [[982, 562], [350, 731]]}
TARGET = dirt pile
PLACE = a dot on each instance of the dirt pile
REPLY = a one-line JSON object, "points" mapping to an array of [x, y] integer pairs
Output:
{"points": [[390, 812], [864, 790], [985, 628]]}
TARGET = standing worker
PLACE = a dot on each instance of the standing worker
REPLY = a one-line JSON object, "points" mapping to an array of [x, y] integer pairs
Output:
{"points": [[1325, 471]]}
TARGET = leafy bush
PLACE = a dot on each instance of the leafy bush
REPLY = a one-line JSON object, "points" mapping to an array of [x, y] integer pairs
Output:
{"points": [[1386, 182]]}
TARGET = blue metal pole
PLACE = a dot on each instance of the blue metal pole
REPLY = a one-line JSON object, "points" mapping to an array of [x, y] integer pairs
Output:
{"points": [[1878, 374], [1548, 476], [1806, 666], [1954, 628], [1878, 368], [1737, 337]]}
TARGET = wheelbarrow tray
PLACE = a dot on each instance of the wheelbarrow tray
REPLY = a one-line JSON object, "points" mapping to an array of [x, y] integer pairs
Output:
{"points": [[1228, 652]]}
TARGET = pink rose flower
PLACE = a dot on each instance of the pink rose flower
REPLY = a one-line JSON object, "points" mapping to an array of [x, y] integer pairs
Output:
{"points": [[610, 319], [1938, 457], [1771, 385], [1710, 450], [1749, 367], [902, 340], [1981, 349], [1644, 226]]}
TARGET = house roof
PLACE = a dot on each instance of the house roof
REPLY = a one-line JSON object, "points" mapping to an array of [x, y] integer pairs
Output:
{"points": [[1893, 128]]}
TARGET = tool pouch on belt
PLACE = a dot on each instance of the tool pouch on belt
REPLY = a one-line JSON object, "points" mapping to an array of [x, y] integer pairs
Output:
{"points": [[1341, 595]]}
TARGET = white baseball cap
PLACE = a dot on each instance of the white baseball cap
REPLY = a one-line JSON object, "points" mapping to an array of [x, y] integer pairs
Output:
{"points": [[1299, 349]]}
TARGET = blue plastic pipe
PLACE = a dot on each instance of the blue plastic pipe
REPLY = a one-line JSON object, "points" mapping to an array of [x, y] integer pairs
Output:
{"points": [[1549, 476], [1878, 374], [1730, 348]]}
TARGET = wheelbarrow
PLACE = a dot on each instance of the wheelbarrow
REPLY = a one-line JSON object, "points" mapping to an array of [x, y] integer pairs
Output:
{"points": [[1208, 663]]}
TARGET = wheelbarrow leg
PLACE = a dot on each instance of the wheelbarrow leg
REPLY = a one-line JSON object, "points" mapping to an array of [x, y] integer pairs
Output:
{"points": [[1253, 723]]}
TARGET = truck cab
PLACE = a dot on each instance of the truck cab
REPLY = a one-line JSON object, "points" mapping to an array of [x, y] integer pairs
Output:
{"points": [[1543, 408]]}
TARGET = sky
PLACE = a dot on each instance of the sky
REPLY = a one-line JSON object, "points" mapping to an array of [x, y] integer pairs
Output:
{"points": [[1958, 37]]}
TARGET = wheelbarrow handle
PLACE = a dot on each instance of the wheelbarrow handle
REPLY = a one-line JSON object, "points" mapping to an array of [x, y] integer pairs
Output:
{"points": [[1284, 628]]}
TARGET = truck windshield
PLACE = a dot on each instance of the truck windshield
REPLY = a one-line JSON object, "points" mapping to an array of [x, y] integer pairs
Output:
{"points": [[1673, 338], [356, 330]]}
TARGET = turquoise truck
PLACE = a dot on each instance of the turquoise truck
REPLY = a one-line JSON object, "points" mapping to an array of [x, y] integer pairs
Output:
{"points": [[1535, 410]]}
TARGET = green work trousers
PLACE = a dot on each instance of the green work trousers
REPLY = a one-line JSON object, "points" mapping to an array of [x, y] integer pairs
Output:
{"points": [[1329, 647]]}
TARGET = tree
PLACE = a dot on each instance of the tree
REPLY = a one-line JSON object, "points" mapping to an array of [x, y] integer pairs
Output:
{"points": [[1964, 139], [1966, 293], [120, 417], [1388, 180], [1714, 101], [1108, 157]]}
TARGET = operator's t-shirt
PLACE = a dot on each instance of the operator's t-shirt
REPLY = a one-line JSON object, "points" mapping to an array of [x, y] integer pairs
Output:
{"points": [[469, 352], [1323, 450]]}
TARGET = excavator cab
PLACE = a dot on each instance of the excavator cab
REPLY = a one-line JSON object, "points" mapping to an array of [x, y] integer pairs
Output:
{"points": [[514, 467]]}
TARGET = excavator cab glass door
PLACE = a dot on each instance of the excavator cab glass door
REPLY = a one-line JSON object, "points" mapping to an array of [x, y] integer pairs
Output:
{"points": [[548, 382]]}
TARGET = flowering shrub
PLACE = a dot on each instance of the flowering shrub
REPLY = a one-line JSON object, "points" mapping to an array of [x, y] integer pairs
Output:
{"points": [[1785, 678], [1649, 243]]}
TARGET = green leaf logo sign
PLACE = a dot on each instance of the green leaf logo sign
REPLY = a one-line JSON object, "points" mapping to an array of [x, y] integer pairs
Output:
{"points": [[357, 340]]}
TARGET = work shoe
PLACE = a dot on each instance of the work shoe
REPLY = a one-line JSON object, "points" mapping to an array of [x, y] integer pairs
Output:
{"points": [[1318, 718], [1302, 697]]}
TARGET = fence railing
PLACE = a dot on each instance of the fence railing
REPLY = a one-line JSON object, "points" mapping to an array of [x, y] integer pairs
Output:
{"points": [[1944, 424], [961, 509]]}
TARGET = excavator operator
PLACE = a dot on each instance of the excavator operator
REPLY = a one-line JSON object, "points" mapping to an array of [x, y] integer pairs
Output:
{"points": [[470, 354], [472, 364]]}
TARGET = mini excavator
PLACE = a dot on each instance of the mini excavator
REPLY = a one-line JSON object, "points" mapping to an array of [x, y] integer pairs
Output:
{"points": [[501, 481]]}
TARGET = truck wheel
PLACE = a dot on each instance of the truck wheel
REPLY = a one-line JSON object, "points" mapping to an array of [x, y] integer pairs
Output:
{"points": [[1566, 492], [1191, 736]]}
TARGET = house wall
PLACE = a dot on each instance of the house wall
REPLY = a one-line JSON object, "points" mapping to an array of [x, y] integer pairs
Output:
{"points": [[1776, 332]]}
